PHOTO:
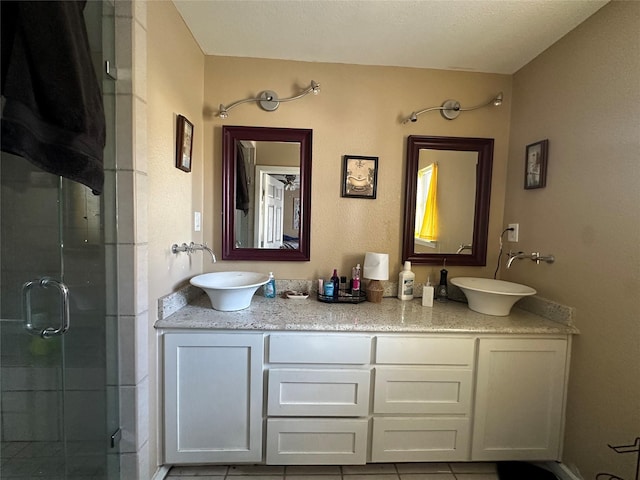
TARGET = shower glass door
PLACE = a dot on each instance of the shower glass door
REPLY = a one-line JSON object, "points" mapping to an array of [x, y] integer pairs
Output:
{"points": [[58, 326]]}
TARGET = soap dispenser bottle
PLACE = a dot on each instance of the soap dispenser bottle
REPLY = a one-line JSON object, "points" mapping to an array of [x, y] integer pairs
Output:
{"points": [[405, 282], [270, 287], [442, 292], [427, 294], [355, 282]]}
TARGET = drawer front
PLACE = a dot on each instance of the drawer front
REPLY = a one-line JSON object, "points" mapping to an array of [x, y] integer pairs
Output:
{"points": [[409, 350], [313, 441], [317, 393], [319, 348], [420, 439], [422, 390]]}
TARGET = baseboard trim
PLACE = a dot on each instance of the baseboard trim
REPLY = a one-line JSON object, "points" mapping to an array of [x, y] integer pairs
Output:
{"points": [[161, 473], [560, 470]]}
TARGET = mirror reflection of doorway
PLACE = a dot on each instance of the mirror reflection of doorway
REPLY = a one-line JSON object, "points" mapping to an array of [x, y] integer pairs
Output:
{"points": [[275, 190], [265, 208], [270, 214]]}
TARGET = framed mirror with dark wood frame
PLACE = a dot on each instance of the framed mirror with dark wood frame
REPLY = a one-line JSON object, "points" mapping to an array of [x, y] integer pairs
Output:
{"points": [[448, 192], [266, 193]]}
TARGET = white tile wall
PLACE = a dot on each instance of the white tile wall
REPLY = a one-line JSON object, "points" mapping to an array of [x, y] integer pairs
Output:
{"points": [[131, 121], [142, 279], [140, 68], [140, 141]]}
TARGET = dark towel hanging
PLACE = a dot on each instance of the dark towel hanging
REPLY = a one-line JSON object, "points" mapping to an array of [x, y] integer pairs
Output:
{"points": [[242, 183], [52, 111]]}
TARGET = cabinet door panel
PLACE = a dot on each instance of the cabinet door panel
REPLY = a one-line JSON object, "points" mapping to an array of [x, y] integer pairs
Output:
{"points": [[422, 390], [420, 439], [307, 392], [213, 397], [519, 400]]}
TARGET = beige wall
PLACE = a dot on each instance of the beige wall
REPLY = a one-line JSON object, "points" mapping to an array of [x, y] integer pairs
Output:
{"points": [[175, 82], [583, 94], [357, 113]]}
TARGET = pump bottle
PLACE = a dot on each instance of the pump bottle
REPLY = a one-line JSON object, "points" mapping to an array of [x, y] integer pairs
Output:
{"points": [[427, 294], [355, 286], [442, 292], [270, 287]]}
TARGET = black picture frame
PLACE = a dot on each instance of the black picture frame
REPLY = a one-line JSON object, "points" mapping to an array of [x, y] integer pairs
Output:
{"points": [[359, 176], [535, 165], [184, 143]]}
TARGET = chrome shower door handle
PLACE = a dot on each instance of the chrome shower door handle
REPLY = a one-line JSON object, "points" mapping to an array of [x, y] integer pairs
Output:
{"points": [[27, 317]]}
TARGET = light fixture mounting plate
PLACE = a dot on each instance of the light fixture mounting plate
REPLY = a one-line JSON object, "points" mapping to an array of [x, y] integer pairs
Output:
{"points": [[269, 100], [450, 109]]}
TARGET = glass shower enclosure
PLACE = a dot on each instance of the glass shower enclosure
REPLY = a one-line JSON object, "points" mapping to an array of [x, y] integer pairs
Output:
{"points": [[58, 313]]}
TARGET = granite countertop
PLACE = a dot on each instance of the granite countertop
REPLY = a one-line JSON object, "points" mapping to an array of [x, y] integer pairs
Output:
{"points": [[392, 315]]}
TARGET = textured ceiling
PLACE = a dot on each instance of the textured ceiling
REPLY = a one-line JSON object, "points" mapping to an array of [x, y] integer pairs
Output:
{"points": [[497, 36]]}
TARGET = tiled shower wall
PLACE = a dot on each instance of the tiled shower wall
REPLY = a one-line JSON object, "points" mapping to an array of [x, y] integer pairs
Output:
{"points": [[45, 379], [28, 393], [130, 174]]}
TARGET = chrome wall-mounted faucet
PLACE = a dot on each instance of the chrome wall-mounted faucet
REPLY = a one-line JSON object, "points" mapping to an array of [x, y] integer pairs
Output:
{"points": [[192, 247], [464, 247], [535, 256]]}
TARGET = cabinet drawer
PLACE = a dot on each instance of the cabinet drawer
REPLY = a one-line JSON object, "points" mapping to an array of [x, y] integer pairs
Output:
{"points": [[316, 393], [422, 390], [313, 441], [319, 348], [424, 350], [420, 439]]}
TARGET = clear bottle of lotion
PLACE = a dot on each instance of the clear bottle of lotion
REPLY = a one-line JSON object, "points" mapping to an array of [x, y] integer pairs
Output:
{"points": [[405, 282]]}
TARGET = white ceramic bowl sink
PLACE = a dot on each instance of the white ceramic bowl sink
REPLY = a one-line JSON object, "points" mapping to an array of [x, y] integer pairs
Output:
{"points": [[489, 296], [230, 291]]}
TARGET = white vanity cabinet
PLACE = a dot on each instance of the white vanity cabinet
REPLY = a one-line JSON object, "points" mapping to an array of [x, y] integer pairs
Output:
{"points": [[213, 397], [422, 398], [519, 406], [345, 398], [318, 398]]}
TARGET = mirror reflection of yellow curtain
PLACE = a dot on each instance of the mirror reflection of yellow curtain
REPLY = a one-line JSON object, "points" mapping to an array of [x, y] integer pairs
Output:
{"points": [[429, 228]]}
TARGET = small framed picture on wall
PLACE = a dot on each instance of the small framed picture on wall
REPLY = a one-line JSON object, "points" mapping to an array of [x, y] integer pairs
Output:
{"points": [[359, 176], [184, 143], [535, 165]]}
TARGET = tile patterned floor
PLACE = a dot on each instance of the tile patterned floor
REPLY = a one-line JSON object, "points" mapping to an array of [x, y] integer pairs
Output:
{"points": [[375, 471]]}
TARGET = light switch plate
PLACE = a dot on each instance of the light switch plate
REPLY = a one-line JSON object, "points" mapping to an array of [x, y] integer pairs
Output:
{"points": [[196, 221], [512, 235]]}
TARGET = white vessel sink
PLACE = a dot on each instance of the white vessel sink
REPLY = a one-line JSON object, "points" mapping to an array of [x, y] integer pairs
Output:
{"points": [[489, 296], [230, 291]]}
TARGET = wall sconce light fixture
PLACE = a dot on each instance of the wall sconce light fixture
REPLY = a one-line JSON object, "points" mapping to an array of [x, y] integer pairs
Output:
{"points": [[268, 99], [450, 109]]}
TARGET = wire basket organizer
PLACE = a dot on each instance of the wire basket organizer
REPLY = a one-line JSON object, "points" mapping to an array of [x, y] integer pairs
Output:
{"points": [[351, 298]]}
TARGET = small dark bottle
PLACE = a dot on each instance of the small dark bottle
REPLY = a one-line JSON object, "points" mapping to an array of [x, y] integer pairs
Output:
{"points": [[336, 283], [343, 285], [442, 291]]}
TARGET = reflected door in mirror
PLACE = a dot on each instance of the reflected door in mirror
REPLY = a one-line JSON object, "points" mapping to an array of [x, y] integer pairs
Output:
{"points": [[267, 192]]}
